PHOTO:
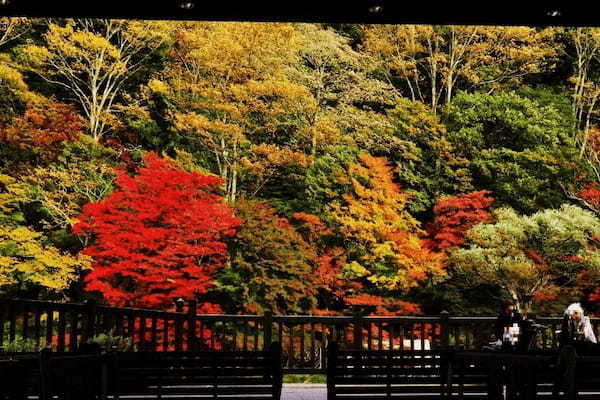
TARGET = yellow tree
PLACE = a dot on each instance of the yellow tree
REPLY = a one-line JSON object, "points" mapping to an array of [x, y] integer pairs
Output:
{"points": [[431, 60], [339, 79], [586, 44], [12, 28], [13, 88], [383, 238], [25, 259], [586, 89], [92, 59], [228, 83]]}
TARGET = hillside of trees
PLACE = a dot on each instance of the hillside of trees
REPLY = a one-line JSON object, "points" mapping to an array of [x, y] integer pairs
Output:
{"points": [[300, 168]]}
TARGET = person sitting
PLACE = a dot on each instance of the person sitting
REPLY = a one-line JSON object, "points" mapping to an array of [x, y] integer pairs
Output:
{"points": [[577, 330], [507, 317]]}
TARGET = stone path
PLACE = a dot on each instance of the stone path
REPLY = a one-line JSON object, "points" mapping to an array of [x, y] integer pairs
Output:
{"points": [[291, 391]]}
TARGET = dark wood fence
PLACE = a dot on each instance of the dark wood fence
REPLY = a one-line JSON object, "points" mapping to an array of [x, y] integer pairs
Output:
{"points": [[63, 326]]}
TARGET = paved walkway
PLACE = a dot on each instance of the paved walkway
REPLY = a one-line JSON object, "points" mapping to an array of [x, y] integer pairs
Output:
{"points": [[295, 391]]}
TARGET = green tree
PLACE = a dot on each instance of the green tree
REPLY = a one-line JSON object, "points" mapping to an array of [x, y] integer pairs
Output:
{"points": [[531, 256], [428, 165], [521, 151], [271, 266]]}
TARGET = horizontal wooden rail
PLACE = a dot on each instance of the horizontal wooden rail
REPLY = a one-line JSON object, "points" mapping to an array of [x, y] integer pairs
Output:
{"points": [[33, 324]]}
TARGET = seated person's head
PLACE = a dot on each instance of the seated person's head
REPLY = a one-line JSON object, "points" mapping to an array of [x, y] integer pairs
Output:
{"points": [[575, 312], [508, 307]]}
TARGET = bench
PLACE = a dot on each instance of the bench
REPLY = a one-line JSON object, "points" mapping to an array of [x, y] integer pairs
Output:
{"points": [[234, 375], [579, 375], [397, 374], [72, 376], [531, 374], [19, 375]]}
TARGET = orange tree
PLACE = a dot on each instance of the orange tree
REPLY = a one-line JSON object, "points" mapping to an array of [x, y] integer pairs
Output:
{"points": [[384, 251]]}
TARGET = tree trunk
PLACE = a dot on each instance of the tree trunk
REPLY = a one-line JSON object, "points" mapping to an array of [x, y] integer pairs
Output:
{"points": [[234, 175]]}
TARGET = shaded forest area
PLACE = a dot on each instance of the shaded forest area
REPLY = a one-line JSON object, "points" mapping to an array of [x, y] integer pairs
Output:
{"points": [[300, 168]]}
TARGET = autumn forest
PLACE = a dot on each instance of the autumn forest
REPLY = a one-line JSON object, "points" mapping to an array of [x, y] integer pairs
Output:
{"points": [[300, 168]]}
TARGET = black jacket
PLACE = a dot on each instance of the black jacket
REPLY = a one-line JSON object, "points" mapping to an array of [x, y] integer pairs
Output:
{"points": [[504, 320]]}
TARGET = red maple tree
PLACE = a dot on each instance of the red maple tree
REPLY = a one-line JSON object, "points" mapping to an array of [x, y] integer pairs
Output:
{"points": [[454, 216], [159, 235]]}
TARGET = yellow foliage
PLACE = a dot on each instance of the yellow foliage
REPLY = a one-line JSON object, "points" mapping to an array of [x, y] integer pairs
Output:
{"points": [[92, 58], [374, 216], [24, 260], [158, 86], [439, 56]]}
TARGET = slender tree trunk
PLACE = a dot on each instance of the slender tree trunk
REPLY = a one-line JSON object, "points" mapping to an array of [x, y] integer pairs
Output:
{"points": [[451, 66], [234, 175], [586, 128], [314, 143]]}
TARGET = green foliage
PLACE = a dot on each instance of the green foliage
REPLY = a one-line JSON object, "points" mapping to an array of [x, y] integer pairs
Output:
{"points": [[429, 166], [324, 180], [506, 120], [520, 150], [110, 341], [556, 97], [82, 173], [529, 255], [21, 345], [304, 378], [452, 296], [271, 265]]}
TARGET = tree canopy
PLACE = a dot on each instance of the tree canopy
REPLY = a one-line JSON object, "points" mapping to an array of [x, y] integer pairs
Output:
{"points": [[299, 168]]}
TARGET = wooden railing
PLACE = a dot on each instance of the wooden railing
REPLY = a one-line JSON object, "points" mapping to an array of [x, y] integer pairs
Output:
{"points": [[63, 326]]}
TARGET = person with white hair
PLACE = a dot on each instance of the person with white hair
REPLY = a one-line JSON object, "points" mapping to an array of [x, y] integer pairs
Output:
{"points": [[577, 329]]}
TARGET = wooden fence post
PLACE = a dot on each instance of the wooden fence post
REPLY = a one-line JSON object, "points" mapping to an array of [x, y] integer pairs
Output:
{"points": [[268, 329], [191, 336], [358, 325], [332, 350], [445, 329], [179, 303], [44, 362], [276, 350], [90, 322], [178, 324]]}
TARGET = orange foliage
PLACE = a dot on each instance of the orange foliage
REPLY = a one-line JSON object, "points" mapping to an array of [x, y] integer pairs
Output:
{"points": [[389, 251], [44, 126]]}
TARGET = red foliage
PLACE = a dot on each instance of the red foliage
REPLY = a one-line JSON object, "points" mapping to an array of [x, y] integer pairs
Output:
{"points": [[325, 312], [44, 125], [539, 261], [365, 299], [328, 273], [393, 308], [311, 226], [591, 195], [383, 306], [454, 216], [159, 235], [123, 153], [540, 297], [594, 297]]}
